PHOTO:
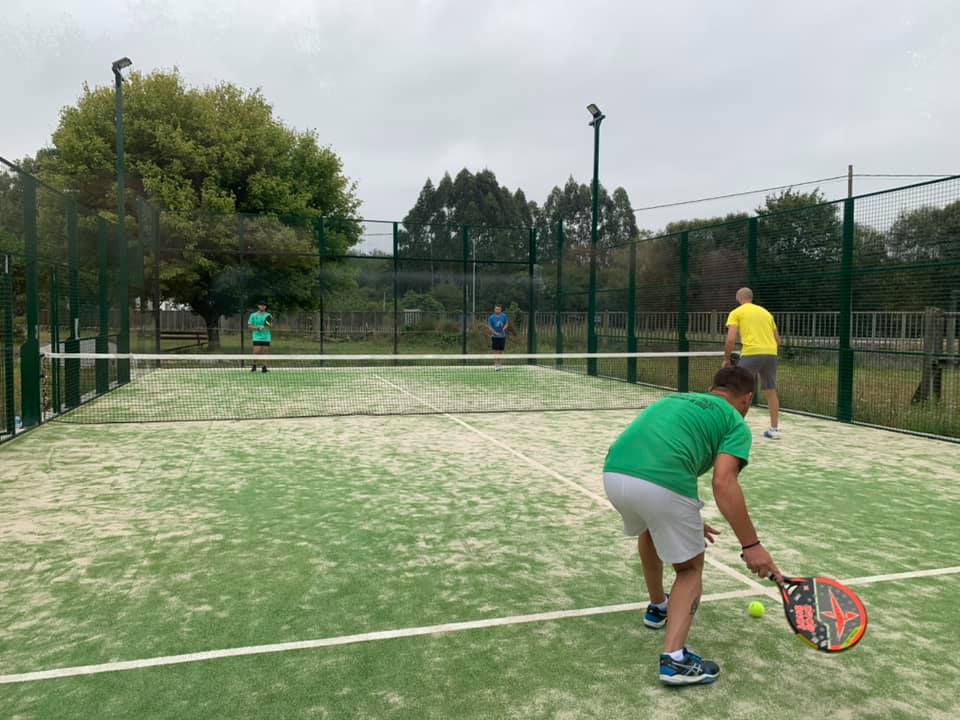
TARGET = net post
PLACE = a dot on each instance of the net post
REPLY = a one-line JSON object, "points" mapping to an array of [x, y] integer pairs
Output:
{"points": [[465, 230], [532, 304], [558, 303], [845, 352], [72, 345], [632, 313], [396, 288], [30, 350], [102, 371], [683, 363], [6, 343]]}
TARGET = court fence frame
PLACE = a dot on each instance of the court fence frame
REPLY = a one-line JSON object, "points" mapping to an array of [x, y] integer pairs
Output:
{"points": [[865, 291]]}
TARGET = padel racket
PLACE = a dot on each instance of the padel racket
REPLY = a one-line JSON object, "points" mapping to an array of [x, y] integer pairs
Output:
{"points": [[823, 613]]}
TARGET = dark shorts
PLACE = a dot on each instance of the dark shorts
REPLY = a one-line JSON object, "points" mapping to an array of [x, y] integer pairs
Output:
{"points": [[763, 365], [499, 343], [261, 343]]}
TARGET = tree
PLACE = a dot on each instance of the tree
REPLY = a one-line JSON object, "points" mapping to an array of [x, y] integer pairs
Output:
{"points": [[924, 251], [798, 252], [616, 229], [202, 155]]}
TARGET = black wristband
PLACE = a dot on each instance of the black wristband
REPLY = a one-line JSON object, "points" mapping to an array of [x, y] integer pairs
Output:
{"points": [[747, 547]]}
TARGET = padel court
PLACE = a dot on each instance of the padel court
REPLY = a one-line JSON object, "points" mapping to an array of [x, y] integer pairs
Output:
{"points": [[444, 565]]}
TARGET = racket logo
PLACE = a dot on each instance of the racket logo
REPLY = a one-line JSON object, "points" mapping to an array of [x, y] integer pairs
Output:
{"points": [[838, 615]]}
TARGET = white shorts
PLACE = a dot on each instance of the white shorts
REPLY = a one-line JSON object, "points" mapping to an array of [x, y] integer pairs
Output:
{"points": [[673, 520]]}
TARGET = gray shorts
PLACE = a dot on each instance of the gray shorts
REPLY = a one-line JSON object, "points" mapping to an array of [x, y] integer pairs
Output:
{"points": [[673, 520], [763, 365]]}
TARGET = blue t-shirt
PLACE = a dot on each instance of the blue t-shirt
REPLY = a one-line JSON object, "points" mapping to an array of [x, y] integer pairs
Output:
{"points": [[497, 323]]}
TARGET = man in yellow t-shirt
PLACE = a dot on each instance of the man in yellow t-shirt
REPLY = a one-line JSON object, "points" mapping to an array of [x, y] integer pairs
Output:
{"points": [[761, 342]]}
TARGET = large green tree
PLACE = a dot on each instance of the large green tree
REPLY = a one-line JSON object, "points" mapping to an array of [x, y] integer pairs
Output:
{"points": [[204, 155]]}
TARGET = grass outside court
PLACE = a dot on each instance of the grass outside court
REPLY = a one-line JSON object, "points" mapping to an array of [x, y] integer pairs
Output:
{"points": [[130, 542]]}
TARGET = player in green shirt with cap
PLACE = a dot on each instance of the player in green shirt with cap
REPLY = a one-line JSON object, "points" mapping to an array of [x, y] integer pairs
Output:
{"points": [[650, 476], [259, 323]]}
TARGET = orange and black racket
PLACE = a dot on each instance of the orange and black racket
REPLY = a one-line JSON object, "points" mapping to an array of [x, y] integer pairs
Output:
{"points": [[824, 613]]}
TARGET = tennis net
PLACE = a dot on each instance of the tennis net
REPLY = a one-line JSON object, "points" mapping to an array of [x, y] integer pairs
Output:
{"points": [[82, 387]]}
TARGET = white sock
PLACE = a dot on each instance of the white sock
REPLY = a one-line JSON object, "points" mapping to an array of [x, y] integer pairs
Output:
{"points": [[661, 606], [677, 655]]}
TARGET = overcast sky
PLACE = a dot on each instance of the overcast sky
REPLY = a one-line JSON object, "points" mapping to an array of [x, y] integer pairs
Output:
{"points": [[702, 98]]}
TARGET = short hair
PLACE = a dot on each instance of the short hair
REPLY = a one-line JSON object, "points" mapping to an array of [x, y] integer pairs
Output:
{"points": [[734, 380], [745, 293], [497, 305]]}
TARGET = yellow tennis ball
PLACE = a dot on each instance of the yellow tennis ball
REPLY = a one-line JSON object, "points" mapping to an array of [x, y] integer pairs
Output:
{"points": [[756, 609]]}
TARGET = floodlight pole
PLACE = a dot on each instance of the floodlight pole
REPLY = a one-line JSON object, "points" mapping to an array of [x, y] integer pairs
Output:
{"points": [[598, 118], [123, 280]]}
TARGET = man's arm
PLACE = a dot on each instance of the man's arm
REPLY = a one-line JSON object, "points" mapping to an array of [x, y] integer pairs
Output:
{"points": [[730, 344], [733, 507]]}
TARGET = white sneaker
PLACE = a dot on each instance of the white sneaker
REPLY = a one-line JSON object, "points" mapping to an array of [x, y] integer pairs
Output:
{"points": [[772, 433], [497, 368]]}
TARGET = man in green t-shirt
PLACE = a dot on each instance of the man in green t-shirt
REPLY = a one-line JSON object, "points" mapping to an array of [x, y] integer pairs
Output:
{"points": [[259, 323], [650, 476]]}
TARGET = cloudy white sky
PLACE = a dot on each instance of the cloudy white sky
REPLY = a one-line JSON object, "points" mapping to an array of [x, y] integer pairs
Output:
{"points": [[702, 98]]}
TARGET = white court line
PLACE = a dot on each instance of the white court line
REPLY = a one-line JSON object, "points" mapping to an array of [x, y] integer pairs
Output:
{"points": [[406, 633], [530, 461], [902, 576], [575, 485]]}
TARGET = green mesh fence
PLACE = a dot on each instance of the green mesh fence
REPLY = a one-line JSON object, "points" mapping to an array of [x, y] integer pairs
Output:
{"points": [[864, 292]]}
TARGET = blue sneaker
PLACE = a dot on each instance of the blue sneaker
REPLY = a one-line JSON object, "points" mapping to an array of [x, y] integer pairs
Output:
{"points": [[692, 670], [654, 617]]}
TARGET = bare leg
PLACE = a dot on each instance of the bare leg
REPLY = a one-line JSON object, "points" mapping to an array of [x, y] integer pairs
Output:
{"points": [[256, 351], [684, 601], [773, 403], [652, 567]]}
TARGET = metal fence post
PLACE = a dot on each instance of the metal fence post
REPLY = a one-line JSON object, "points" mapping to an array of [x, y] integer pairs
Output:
{"points": [[242, 232], [30, 350], [592, 304], [683, 363], [322, 249], [558, 304], [103, 306], [466, 273], [632, 313], [6, 343], [532, 305], [396, 288], [54, 341], [72, 369], [845, 352], [157, 328]]}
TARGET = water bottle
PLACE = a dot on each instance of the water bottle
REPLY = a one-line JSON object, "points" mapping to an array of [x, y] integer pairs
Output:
{"points": [[18, 422]]}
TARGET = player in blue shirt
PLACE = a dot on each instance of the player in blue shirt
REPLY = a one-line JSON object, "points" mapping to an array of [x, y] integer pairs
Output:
{"points": [[498, 324]]}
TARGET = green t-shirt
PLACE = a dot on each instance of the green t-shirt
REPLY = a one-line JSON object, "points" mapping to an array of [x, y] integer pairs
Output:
{"points": [[677, 439], [260, 320]]}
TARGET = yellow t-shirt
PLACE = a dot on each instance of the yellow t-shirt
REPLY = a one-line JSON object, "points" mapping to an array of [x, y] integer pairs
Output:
{"points": [[757, 329]]}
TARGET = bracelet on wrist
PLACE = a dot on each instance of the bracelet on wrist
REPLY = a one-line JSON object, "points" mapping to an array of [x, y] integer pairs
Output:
{"points": [[751, 545]]}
